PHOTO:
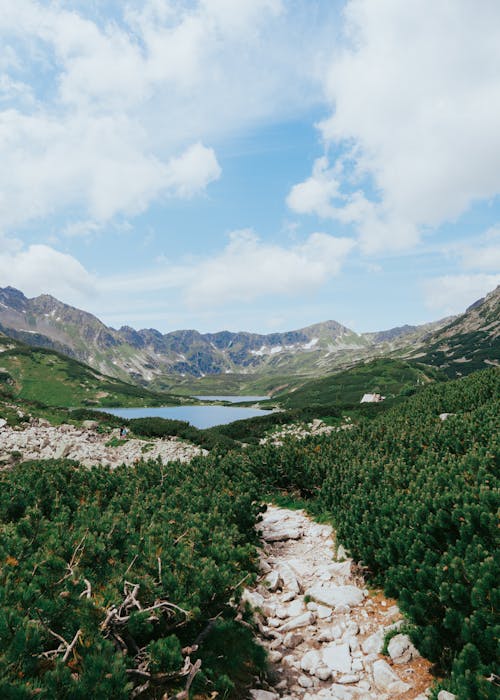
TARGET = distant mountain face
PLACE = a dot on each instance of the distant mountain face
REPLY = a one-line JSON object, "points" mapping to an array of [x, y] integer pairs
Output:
{"points": [[150, 356], [469, 342]]}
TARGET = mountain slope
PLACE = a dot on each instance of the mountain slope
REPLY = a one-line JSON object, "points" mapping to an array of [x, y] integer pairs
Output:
{"points": [[38, 374], [470, 342], [148, 356]]}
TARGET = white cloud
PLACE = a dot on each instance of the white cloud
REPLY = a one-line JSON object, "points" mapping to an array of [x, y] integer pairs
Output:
{"points": [[247, 269], [49, 165], [416, 105], [451, 294], [192, 171], [40, 269], [104, 116]]}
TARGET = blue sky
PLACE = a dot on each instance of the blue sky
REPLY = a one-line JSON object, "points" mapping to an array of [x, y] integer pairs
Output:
{"points": [[254, 164]]}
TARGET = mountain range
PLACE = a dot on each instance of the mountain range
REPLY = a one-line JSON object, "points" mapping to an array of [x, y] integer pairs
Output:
{"points": [[160, 360]]}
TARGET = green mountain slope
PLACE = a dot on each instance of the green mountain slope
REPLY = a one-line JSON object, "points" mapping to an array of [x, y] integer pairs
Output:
{"points": [[470, 342], [37, 374], [387, 377]]}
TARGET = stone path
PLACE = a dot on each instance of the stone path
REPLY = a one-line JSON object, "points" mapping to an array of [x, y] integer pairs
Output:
{"points": [[322, 628]]}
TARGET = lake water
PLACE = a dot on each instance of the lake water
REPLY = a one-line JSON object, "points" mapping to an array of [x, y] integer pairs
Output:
{"points": [[232, 399], [199, 416]]}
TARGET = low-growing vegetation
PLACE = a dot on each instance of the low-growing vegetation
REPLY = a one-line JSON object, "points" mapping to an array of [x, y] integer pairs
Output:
{"points": [[416, 500], [113, 580]]}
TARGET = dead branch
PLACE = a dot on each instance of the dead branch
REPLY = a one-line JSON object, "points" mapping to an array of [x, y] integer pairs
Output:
{"points": [[72, 645], [75, 558], [184, 694], [88, 590]]}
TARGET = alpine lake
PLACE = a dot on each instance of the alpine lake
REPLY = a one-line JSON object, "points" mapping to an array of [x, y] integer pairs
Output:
{"points": [[200, 416]]}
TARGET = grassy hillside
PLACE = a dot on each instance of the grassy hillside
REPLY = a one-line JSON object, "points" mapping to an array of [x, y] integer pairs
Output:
{"points": [[36, 374], [388, 377]]}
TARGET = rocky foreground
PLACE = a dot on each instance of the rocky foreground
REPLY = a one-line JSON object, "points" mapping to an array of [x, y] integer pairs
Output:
{"points": [[41, 440], [323, 629]]}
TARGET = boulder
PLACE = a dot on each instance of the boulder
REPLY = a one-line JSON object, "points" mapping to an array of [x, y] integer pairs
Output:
{"points": [[303, 620], [337, 657], [401, 649], [374, 643], [386, 680], [310, 661], [263, 695], [331, 595], [445, 695]]}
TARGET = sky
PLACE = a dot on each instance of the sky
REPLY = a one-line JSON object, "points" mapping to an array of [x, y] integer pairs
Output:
{"points": [[255, 165]]}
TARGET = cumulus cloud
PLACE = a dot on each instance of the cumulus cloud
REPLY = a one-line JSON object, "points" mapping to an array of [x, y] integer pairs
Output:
{"points": [[116, 113], [416, 101], [451, 294], [245, 270], [248, 269], [40, 269]]}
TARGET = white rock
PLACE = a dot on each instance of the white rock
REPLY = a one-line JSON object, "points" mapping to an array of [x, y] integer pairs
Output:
{"points": [[292, 640], [288, 660], [357, 665], [303, 620], [300, 567], [386, 680], [296, 607], [282, 535], [268, 609], [282, 612], [342, 609], [401, 649], [348, 678], [254, 599], [445, 695], [275, 656], [324, 612], [337, 657], [289, 579], [3, 422], [310, 661], [273, 580], [331, 595], [323, 673], [304, 682], [374, 643], [330, 634], [263, 695]]}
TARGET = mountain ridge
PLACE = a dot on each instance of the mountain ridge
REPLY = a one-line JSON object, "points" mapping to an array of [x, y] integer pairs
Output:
{"points": [[148, 356]]}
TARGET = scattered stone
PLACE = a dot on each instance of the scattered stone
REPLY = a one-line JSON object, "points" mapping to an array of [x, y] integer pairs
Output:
{"points": [[386, 680], [304, 682], [263, 695], [292, 640], [316, 647], [336, 595], [401, 649], [374, 643], [303, 620], [337, 657], [445, 695], [310, 661], [273, 580]]}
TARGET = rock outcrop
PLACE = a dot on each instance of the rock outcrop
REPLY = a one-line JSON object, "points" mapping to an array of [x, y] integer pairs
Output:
{"points": [[40, 440]]}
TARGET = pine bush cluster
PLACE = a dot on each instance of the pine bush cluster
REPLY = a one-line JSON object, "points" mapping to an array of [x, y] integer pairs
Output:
{"points": [[416, 500]]}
